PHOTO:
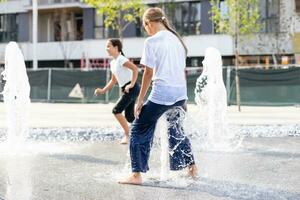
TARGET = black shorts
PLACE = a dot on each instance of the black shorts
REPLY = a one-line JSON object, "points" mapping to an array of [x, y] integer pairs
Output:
{"points": [[127, 101]]}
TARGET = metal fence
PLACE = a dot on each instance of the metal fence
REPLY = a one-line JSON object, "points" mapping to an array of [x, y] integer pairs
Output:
{"points": [[258, 86]]}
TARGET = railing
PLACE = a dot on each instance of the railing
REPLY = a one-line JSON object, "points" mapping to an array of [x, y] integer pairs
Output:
{"points": [[51, 2]]}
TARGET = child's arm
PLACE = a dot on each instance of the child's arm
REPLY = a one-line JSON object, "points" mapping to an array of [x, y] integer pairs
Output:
{"points": [[108, 86], [135, 71], [146, 81]]}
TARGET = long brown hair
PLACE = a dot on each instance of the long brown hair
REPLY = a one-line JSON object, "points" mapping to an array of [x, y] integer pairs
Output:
{"points": [[156, 14]]}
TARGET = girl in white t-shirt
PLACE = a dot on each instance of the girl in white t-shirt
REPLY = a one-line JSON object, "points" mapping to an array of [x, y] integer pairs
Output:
{"points": [[124, 73], [163, 59]]}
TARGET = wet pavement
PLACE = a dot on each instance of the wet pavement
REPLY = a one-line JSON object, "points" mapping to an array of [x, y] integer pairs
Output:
{"points": [[263, 168], [83, 160]]}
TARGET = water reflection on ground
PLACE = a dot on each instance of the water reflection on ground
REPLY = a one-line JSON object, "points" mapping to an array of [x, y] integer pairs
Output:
{"points": [[263, 168]]}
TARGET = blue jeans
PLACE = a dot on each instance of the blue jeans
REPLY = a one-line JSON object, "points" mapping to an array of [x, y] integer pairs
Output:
{"points": [[141, 138]]}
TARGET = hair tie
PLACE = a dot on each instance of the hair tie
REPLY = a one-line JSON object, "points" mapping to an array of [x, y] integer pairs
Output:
{"points": [[163, 18]]}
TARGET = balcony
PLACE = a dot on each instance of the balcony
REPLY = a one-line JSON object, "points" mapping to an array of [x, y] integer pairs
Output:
{"points": [[51, 2], [56, 4]]}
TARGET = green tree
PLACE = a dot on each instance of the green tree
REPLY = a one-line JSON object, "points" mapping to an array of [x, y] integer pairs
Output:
{"points": [[240, 20], [118, 13]]}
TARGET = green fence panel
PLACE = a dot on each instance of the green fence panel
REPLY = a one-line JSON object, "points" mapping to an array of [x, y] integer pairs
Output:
{"points": [[258, 86], [267, 87], [38, 81]]}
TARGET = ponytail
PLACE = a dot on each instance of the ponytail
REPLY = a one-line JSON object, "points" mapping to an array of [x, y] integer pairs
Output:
{"points": [[156, 14], [166, 23], [122, 53]]}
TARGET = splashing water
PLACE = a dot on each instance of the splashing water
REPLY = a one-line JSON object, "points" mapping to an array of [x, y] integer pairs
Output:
{"points": [[209, 128], [211, 98], [161, 133], [172, 145], [16, 95]]}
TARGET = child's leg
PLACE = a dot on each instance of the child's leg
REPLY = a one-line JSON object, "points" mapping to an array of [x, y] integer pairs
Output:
{"points": [[122, 120], [181, 155], [129, 112], [141, 139], [122, 103]]}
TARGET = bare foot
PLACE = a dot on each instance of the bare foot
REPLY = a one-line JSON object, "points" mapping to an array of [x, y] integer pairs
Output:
{"points": [[192, 171], [134, 178], [124, 140]]}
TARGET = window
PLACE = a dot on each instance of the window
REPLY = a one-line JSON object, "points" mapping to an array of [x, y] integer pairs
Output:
{"points": [[8, 27], [79, 26], [185, 17], [57, 27], [2, 25], [67, 26], [100, 31], [139, 27], [195, 18], [297, 6], [223, 9], [269, 10], [184, 21], [99, 27]]}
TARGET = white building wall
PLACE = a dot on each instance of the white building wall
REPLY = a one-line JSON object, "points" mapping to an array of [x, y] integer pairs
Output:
{"points": [[133, 47], [272, 43], [197, 44], [15, 6]]}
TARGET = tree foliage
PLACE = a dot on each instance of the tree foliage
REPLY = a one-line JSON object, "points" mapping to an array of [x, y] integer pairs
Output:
{"points": [[118, 13], [241, 18]]}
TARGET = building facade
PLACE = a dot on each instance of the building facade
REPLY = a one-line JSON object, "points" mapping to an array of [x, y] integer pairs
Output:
{"points": [[71, 34]]}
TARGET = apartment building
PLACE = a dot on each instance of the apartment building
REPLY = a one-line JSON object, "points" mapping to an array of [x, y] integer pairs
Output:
{"points": [[71, 34]]}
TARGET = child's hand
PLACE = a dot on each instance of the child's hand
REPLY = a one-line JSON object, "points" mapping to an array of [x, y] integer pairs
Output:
{"points": [[99, 91], [127, 88], [138, 108]]}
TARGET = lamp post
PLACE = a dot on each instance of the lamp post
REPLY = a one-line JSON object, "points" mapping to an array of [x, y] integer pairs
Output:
{"points": [[34, 33]]}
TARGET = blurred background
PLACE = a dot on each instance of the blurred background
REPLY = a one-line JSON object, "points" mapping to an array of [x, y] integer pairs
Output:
{"points": [[66, 39]]}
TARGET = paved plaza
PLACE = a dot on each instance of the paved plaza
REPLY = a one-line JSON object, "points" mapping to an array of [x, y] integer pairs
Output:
{"points": [[262, 168]]}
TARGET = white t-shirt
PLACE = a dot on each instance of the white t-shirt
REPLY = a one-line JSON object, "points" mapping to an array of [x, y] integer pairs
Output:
{"points": [[122, 74], [164, 53]]}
